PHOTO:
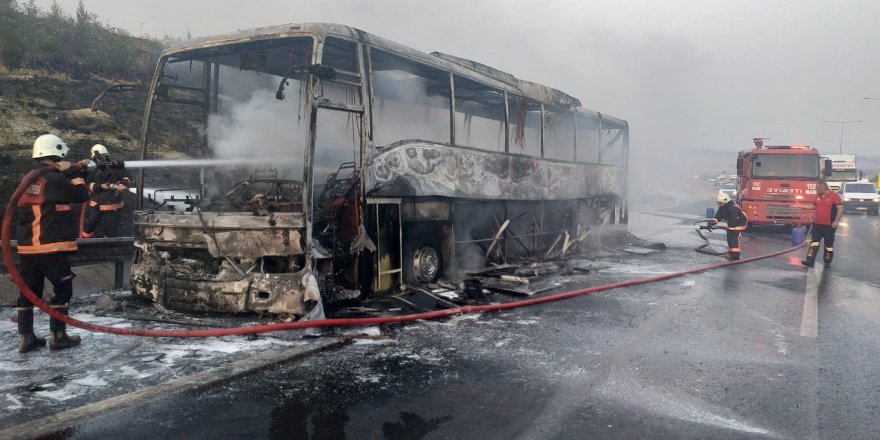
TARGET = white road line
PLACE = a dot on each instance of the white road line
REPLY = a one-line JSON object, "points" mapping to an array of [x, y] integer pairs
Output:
{"points": [[810, 316]]}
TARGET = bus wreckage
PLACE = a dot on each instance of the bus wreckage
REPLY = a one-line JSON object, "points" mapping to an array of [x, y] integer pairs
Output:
{"points": [[384, 167]]}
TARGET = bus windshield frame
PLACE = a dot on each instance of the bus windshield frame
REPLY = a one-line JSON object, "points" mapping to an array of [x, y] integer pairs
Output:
{"points": [[223, 102]]}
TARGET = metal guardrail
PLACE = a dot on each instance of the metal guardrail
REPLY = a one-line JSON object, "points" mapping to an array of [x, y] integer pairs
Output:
{"points": [[118, 250]]}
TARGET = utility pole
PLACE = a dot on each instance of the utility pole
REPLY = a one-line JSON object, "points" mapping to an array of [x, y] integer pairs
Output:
{"points": [[842, 124]]}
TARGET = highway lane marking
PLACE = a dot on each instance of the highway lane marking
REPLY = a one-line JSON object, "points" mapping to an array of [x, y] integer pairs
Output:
{"points": [[810, 316]]}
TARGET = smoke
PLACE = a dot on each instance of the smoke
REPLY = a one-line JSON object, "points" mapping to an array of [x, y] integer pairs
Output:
{"points": [[260, 128], [405, 110]]}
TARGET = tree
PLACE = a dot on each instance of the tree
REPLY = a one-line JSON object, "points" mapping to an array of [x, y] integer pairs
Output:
{"points": [[31, 8], [82, 16], [83, 33], [8, 6], [55, 11], [10, 41], [31, 37]]}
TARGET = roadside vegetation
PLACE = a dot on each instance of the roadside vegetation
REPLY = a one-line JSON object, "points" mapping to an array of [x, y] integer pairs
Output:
{"points": [[52, 40], [52, 67]]}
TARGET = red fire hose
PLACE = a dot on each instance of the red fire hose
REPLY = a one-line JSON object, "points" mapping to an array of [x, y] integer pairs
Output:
{"points": [[16, 277]]}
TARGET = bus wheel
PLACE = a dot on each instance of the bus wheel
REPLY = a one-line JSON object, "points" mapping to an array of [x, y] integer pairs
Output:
{"points": [[425, 264]]}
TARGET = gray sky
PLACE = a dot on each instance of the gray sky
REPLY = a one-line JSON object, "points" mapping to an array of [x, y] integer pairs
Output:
{"points": [[686, 74]]}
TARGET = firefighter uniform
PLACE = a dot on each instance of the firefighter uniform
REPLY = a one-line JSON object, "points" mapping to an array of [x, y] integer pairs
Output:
{"points": [[829, 208], [106, 198], [737, 222], [46, 232]]}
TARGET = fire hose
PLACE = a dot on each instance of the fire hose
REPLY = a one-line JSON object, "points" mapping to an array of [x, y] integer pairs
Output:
{"points": [[333, 322], [708, 226]]}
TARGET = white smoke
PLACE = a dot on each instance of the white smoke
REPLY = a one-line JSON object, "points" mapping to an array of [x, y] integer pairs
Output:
{"points": [[259, 128]]}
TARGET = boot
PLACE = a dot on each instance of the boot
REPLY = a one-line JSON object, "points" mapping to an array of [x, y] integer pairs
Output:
{"points": [[59, 338], [27, 340], [811, 255], [732, 256], [828, 256]]}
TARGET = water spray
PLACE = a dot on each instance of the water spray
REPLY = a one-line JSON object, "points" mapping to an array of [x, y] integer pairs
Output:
{"points": [[201, 163]]}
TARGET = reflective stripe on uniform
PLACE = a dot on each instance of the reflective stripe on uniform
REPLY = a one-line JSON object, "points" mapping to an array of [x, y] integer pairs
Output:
{"points": [[61, 246], [112, 207], [63, 207], [35, 225]]}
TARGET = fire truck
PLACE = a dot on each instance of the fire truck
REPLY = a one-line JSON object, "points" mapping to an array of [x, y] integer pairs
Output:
{"points": [[777, 184]]}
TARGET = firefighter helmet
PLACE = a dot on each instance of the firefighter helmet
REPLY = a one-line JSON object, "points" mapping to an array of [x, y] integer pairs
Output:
{"points": [[99, 149], [49, 145], [722, 198]]}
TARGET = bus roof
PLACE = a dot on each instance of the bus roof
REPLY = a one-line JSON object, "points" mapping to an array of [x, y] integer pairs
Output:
{"points": [[461, 66]]}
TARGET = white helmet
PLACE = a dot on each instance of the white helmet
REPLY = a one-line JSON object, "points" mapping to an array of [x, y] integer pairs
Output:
{"points": [[99, 149], [49, 145], [722, 198]]}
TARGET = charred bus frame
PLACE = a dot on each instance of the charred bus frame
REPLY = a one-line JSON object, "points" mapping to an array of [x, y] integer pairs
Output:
{"points": [[403, 167]]}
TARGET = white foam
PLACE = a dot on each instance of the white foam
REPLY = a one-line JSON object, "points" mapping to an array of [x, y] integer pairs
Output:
{"points": [[58, 395], [92, 380], [363, 331], [129, 371], [372, 378], [373, 341], [16, 403]]}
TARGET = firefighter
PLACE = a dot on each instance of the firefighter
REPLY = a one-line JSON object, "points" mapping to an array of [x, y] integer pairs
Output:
{"points": [[46, 234], [107, 186], [829, 209], [733, 215]]}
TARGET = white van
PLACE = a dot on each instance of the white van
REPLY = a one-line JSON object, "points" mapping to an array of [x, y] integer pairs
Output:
{"points": [[860, 195]]}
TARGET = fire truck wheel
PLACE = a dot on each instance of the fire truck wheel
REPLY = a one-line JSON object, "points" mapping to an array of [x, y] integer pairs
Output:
{"points": [[426, 264]]}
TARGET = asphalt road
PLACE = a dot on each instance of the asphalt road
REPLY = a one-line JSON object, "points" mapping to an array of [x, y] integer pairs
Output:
{"points": [[767, 349]]}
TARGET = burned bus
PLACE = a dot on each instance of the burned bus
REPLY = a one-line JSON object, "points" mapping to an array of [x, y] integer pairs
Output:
{"points": [[360, 166]]}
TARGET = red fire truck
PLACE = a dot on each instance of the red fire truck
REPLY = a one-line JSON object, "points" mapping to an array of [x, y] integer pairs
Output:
{"points": [[777, 184]]}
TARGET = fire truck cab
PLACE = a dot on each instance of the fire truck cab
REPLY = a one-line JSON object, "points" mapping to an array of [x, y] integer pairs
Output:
{"points": [[777, 184]]}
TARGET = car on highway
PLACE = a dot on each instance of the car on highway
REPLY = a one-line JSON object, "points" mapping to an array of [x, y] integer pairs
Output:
{"points": [[861, 195], [729, 189]]}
